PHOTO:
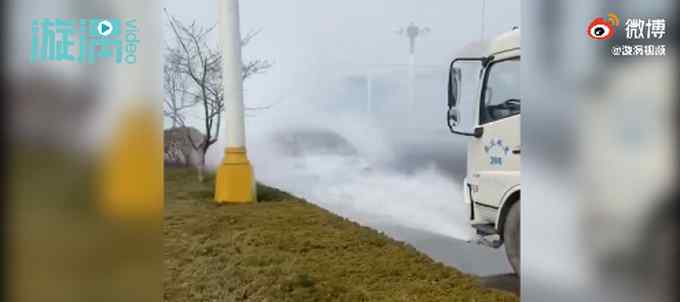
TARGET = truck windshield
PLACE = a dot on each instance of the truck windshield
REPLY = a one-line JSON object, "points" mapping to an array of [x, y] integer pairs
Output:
{"points": [[501, 94]]}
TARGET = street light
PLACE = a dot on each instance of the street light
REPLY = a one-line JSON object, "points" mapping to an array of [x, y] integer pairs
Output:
{"points": [[235, 181], [412, 32]]}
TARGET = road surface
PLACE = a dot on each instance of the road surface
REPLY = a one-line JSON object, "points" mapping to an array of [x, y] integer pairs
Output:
{"points": [[489, 264]]}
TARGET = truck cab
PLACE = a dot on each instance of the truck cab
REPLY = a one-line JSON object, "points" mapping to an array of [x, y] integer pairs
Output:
{"points": [[492, 183]]}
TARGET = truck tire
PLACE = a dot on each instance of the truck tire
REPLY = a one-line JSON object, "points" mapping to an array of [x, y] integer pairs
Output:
{"points": [[511, 237]]}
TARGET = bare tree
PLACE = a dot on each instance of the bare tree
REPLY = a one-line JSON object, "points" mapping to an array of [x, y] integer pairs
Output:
{"points": [[175, 102], [174, 105], [193, 70]]}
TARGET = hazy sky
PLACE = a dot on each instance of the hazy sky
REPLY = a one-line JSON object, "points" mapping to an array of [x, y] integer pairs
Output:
{"points": [[308, 38]]}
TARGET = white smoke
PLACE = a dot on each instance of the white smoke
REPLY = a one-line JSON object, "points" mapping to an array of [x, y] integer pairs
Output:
{"points": [[367, 187]]}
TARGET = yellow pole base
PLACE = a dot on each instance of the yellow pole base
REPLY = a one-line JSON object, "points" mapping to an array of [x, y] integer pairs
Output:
{"points": [[131, 168], [235, 182]]}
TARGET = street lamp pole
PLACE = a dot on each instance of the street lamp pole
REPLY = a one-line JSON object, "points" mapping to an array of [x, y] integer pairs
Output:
{"points": [[369, 93], [412, 80], [235, 181], [412, 32], [483, 17]]}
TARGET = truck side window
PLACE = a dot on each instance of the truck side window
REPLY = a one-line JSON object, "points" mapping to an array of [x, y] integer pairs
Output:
{"points": [[501, 94]]}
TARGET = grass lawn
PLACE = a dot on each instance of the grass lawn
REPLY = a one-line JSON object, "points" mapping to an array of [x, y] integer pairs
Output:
{"points": [[286, 249]]}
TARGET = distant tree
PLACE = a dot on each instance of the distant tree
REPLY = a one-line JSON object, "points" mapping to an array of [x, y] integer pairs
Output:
{"points": [[193, 79]]}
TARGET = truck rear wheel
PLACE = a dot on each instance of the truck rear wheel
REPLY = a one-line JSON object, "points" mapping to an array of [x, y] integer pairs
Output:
{"points": [[511, 237]]}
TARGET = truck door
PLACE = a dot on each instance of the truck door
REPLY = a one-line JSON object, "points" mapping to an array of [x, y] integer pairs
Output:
{"points": [[494, 158]]}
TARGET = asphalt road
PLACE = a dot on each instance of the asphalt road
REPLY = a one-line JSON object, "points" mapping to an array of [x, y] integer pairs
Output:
{"points": [[487, 263]]}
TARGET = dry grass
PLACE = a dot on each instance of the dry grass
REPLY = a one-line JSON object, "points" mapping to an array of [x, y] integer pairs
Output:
{"points": [[285, 249]]}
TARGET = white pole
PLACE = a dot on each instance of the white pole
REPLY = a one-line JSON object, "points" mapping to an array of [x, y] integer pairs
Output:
{"points": [[230, 37], [483, 17], [411, 82], [235, 180], [369, 93]]}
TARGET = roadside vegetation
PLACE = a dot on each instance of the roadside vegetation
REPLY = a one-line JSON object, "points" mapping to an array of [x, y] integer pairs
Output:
{"points": [[286, 249]]}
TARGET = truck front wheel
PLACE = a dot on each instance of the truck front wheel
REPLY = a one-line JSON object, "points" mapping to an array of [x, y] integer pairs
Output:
{"points": [[511, 237]]}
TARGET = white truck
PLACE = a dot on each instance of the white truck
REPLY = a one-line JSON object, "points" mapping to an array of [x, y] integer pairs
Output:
{"points": [[492, 183]]}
